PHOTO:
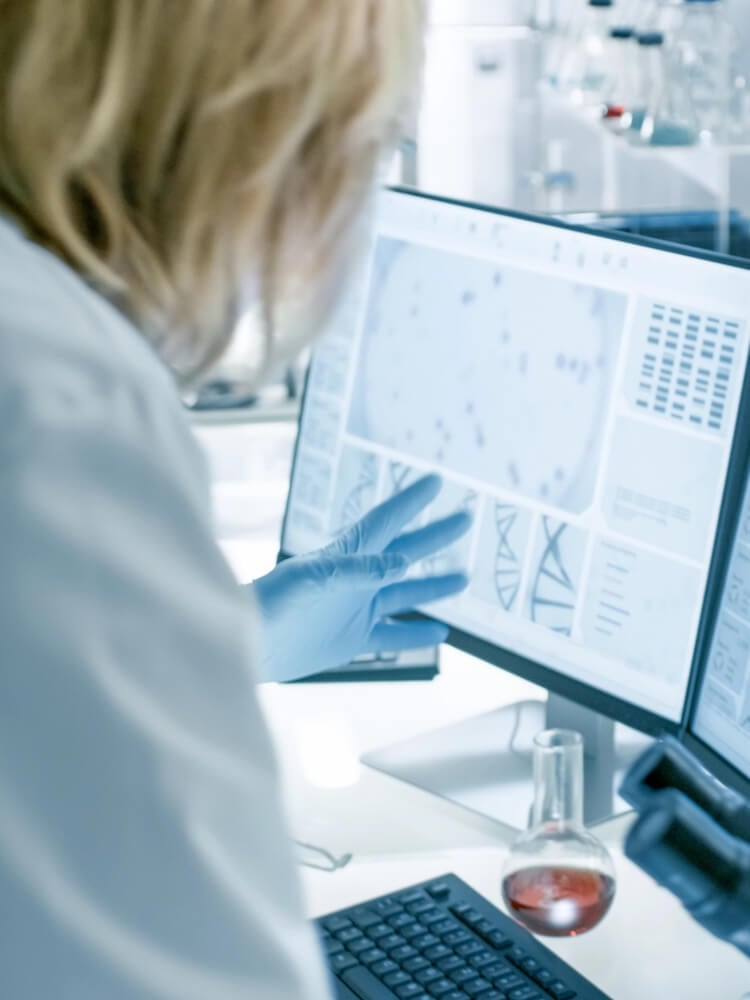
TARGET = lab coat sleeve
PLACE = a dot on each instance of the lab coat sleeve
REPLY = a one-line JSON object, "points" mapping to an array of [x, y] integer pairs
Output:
{"points": [[143, 852]]}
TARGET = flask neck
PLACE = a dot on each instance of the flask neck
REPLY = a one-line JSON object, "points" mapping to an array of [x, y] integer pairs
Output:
{"points": [[558, 779]]}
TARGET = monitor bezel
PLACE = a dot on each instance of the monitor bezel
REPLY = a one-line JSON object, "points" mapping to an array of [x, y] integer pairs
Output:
{"points": [[575, 690]]}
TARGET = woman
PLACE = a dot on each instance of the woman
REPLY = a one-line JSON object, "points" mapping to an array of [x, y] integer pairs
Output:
{"points": [[157, 158]]}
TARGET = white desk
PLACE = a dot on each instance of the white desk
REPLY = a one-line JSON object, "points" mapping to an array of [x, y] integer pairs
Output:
{"points": [[646, 949]]}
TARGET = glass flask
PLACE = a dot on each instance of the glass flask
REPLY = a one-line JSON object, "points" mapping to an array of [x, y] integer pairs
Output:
{"points": [[622, 90], [704, 45], [558, 879], [670, 118], [584, 67]]}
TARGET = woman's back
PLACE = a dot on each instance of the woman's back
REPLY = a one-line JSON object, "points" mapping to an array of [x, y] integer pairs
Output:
{"points": [[142, 849]]}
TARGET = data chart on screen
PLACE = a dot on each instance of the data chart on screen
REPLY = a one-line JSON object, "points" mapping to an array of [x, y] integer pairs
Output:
{"points": [[577, 394]]}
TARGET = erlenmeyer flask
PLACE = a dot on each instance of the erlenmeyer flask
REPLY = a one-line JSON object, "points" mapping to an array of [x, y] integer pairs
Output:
{"points": [[559, 879], [670, 118]]}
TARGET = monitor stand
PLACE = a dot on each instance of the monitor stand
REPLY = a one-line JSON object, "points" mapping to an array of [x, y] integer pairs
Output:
{"points": [[485, 763]]}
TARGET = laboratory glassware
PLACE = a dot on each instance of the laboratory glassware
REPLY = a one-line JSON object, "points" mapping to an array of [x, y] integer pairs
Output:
{"points": [[622, 90], [670, 118], [703, 43], [584, 67], [559, 879]]}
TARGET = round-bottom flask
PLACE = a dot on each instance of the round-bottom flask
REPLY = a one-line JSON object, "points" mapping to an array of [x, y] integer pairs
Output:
{"points": [[559, 879]]}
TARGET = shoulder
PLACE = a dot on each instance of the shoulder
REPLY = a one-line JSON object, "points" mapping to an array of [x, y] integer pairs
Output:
{"points": [[70, 361]]}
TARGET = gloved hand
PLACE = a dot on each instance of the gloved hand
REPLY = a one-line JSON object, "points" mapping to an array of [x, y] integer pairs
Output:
{"points": [[321, 610]]}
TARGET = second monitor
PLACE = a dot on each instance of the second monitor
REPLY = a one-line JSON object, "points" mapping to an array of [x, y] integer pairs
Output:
{"points": [[580, 394]]}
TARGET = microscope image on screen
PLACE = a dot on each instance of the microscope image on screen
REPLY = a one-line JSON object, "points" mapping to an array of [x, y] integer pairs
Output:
{"points": [[471, 417]]}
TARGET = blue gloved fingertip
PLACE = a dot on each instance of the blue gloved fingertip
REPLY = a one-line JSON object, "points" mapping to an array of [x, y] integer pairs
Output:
{"points": [[431, 483]]}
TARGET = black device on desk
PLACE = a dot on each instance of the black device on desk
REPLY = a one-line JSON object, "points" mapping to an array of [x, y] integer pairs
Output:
{"points": [[442, 940], [692, 834], [584, 393]]}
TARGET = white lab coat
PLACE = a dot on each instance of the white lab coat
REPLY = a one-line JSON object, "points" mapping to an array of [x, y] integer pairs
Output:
{"points": [[143, 852]]}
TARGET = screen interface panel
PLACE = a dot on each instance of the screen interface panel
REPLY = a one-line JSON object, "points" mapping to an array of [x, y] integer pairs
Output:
{"points": [[722, 717], [577, 393]]}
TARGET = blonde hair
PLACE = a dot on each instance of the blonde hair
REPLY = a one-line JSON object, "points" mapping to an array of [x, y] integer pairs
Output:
{"points": [[169, 150]]}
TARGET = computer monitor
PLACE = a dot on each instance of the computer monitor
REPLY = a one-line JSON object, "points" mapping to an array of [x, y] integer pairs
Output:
{"points": [[580, 392], [718, 729]]}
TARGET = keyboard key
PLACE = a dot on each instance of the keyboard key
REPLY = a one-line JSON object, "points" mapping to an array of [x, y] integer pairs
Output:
{"points": [[440, 987], [483, 927], [348, 934], [359, 944], [336, 923], [396, 979], [431, 917], [470, 948], [452, 938], [403, 952], [544, 977], [516, 955], [363, 918], [439, 890], [530, 966], [428, 975], [423, 906], [560, 990], [372, 955], [413, 930], [379, 931], [497, 939], [445, 925], [437, 951], [383, 967], [477, 987], [409, 991], [365, 985], [343, 961], [509, 981], [425, 941], [481, 959], [387, 908], [462, 975], [495, 970], [399, 921], [415, 964], [332, 946], [449, 964], [390, 941], [409, 896], [524, 993], [454, 995]]}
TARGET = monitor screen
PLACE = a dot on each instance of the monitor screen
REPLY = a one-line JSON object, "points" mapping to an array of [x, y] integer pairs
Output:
{"points": [[722, 710], [577, 392]]}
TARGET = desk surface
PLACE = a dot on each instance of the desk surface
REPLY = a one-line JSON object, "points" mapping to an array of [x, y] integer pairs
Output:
{"points": [[646, 949]]}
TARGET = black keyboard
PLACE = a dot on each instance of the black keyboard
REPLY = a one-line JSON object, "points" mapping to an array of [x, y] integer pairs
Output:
{"points": [[444, 941]]}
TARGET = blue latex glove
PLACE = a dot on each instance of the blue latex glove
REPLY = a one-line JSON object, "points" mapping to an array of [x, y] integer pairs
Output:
{"points": [[323, 609]]}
